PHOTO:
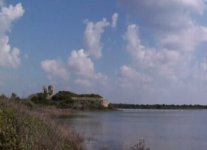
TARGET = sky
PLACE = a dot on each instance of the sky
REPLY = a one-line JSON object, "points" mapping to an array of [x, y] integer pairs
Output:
{"points": [[129, 51]]}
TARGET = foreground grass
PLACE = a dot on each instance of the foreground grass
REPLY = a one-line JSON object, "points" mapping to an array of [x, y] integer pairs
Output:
{"points": [[22, 128]]}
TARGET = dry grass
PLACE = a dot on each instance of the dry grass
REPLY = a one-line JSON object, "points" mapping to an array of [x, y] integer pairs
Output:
{"points": [[53, 112], [31, 129]]}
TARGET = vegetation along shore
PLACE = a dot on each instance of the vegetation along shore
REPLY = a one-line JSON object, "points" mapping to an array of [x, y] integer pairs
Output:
{"points": [[23, 127], [30, 123], [157, 106]]}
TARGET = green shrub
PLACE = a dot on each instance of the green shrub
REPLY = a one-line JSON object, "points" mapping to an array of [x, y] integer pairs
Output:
{"points": [[40, 98], [23, 129], [63, 96], [29, 103]]}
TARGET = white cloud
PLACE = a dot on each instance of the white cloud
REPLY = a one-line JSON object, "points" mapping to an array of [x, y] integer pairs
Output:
{"points": [[93, 33], [83, 82], [129, 77], [165, 15], [114, 20], [9, 57], [11, 13], [55, 69], [134, 46], [80, 67], [80, 63], [171, 22], [162, 72], [185, 40]]}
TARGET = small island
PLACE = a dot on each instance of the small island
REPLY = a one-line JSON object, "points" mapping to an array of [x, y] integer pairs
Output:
{"points": [[31, 123], [68, 99]]}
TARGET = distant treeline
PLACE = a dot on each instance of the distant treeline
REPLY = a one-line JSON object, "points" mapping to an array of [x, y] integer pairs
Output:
{"points": [[158, 106]]}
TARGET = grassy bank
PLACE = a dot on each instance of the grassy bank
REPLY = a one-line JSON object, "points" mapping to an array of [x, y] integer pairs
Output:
{"points": [[25, 125], [26, 128]]}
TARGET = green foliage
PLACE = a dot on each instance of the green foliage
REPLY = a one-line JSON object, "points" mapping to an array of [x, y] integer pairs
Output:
{"points": [[63, 95], [29, 103], [88, 105], [8, 131], [64, 99], [90, 95], [3, 96], [69, 103], [22, 130], [67, 99], [81, 105], [14, 96], [40, 98]]}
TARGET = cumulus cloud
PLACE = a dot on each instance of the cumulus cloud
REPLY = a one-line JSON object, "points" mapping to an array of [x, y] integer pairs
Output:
{"points": [[130, 77], [171, 62], [171, 22], [81, 65], [165, 15], [93, 33], [161, 65], [114, 20], [55, 69], [185, 40], [9, 57], [148, 57]]}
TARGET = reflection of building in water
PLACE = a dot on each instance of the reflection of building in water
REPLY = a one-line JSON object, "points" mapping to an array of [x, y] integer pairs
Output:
{"points": [[49, 91]]}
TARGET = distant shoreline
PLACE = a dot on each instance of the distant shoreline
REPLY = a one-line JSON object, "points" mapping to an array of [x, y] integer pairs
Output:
{"points": [[160, 106]]}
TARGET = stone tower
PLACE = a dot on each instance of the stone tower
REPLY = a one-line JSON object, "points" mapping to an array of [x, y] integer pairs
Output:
{"points": [[49, 91]]}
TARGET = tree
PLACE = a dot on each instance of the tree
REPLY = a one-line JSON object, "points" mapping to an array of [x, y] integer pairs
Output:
{"points": [[14, 96]]}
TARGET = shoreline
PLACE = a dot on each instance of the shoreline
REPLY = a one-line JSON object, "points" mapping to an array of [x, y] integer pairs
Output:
{"points": [[160, 106], [22, 127]]}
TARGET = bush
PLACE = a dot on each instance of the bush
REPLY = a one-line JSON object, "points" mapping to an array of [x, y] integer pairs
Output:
{"points": [[63, 95], [90, 95], [40, 98], [23, 129]]}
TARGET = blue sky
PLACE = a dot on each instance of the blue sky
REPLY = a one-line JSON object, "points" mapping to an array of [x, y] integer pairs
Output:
{"points": [[128, 51]]}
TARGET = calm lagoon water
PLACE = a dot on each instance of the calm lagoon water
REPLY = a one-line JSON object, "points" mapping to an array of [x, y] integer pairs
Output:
{"points": [[161, 129]]}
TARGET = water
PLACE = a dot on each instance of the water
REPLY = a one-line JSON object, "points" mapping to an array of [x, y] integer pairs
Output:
{"points": [[161, 129]]}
